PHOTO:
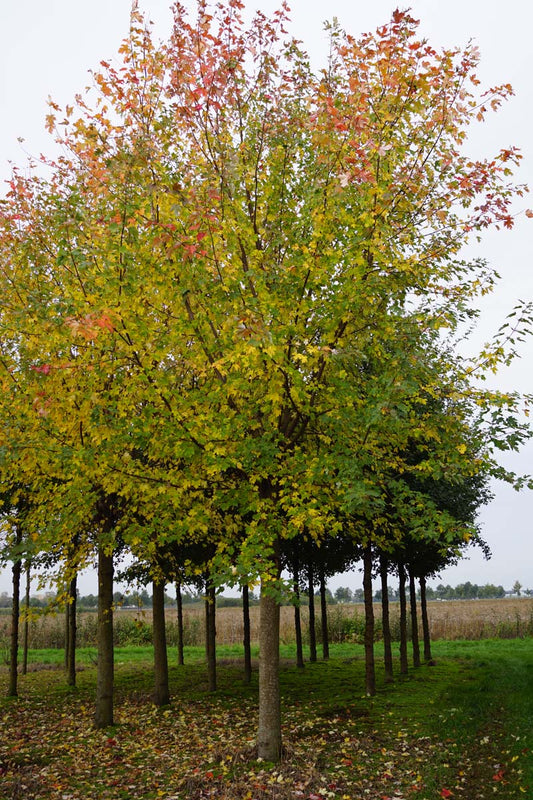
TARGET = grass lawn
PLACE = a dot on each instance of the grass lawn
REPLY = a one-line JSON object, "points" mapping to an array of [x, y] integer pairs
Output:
{"points": [[460, 729]]}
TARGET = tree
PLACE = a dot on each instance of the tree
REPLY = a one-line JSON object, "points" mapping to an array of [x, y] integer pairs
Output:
{"points": [[385, 617], [226, 244], [343, 595], [12, 690], [162, 692], [370, 674], [179, 610]]}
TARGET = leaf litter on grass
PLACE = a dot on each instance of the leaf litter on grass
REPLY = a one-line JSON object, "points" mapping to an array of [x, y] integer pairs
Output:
{"points": [[204, 747]]}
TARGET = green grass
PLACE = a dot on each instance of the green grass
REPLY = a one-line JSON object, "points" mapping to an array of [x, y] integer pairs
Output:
{"points": [[461, 726]]}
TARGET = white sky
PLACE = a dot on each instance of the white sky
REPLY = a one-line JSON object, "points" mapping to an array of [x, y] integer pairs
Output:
{"points": [[48, 46]]}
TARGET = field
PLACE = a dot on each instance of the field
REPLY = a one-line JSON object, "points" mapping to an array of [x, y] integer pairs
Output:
{"points": [[459, 729], [455, 619]]}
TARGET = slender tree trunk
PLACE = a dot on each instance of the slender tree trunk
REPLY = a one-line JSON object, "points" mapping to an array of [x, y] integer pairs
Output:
{"points": [[324, 616], [403, 620], [385, 616], [269, 728], [26, 619], [67, 638], [12, 690], [211, 636], [414, 621], [425, 621], [247, 639], [104, 678], [370, 668], [179, 605], [312, 624], [297, 614], [72, 631], [207, 623], [161, 688]]}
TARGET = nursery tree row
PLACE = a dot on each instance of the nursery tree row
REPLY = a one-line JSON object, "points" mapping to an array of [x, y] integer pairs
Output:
{"points": [[230, 315]]}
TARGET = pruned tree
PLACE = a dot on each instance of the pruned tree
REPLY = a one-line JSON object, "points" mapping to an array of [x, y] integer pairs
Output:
{"points": [[225, 245]]}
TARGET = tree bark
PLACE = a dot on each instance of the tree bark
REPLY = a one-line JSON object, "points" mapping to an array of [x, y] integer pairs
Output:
{"points": [[370, 668], [179, 606], [246, 634], [12, 690], [425, 621], [161, 688], [207, 623], [297, 614], [26, 619], [312, 624], [385, 616], [72, 630], [211, 636], [414, 621], [67, 624], [403, 620], [105, 669], [269, 728], [324, 616]]}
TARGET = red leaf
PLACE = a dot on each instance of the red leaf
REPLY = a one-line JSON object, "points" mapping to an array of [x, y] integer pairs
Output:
{"points": [[446, 793], [105, 322]]}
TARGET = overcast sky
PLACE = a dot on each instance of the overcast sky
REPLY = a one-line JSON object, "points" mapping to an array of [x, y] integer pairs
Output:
{"points": [[47, 48]]}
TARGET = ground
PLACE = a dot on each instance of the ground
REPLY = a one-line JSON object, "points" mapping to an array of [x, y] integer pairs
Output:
{"points": [[446, 731]]}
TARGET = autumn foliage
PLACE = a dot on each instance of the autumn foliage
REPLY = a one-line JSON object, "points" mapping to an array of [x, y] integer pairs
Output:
{"points": [[229, 306]]}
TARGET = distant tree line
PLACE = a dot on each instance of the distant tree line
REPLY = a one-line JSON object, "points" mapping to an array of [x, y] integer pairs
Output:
{"points": [[463, 591], [342, 595]]}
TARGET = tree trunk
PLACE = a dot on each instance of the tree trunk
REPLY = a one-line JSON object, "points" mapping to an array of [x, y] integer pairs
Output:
{"points": [[179, 606], [425, 622], [67, 625], [161, 688], [414, 621], [385, 616], [370, 668], [71, 637], [12, 690], [312, 628], [324, 616], [246, 635], [211, 636], [269, 728], [104, 678], [206, 615], [297, 614], [403, 620], [26, 619]]}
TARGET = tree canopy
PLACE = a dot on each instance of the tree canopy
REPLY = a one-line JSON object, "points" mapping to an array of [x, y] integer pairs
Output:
{"points": [[229, 305]]}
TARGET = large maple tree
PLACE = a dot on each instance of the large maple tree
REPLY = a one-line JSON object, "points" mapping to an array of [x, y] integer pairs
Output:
{"points": [[217, 301]]}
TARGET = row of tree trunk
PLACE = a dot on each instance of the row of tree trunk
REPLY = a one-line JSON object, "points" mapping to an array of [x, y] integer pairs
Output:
{"points": [[269, 642]]}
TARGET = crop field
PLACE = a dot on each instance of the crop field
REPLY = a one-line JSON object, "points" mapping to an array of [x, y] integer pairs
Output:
{"points": [[449, 620]]}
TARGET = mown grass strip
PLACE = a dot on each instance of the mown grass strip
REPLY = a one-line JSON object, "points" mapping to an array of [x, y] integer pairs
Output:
{"points": [[461, 727]]}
